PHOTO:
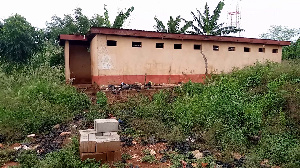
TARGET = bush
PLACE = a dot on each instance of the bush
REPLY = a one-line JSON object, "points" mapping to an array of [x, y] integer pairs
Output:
{"points": [[67, 157], [18, 39], [227, 111], [33, 100]]}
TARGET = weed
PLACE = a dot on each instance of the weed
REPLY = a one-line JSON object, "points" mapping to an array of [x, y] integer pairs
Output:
{"points": [[126, 156]]}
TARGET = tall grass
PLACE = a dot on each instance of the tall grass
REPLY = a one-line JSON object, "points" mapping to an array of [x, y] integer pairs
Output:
{"points": [[32, 100], [254, 111]]}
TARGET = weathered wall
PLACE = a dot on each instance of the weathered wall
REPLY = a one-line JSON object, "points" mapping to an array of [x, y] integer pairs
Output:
{"points": [[80, 63], [124, 63]]}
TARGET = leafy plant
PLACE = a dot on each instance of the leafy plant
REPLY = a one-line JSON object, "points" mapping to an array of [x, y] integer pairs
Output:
{"points": [[173, 25], [207, 24], [18, 39]]}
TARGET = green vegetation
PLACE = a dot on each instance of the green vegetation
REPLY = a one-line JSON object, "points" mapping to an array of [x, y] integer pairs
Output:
{"points": [[207, 24], [253, 111], [65, 158], [18, 39], [173, 25], [33, 100]]}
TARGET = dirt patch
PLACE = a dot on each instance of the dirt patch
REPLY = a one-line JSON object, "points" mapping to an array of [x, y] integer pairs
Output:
{"points": [[136, 152]]}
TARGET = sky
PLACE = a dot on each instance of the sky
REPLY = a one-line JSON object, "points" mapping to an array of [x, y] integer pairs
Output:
{"points": [[256, 15]]}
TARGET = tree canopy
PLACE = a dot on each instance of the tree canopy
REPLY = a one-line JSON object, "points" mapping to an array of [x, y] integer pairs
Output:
{"points": [[173, 25], [78, 23], [18, 39], [207, 24], [281, 33]]}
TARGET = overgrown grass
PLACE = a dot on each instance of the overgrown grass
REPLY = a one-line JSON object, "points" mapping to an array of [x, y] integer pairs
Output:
{"points": [[67, 157], [32, 100], [253, 111]]}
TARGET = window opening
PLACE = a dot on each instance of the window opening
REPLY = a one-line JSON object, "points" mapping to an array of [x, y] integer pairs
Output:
{"points": [[136, 44], [177, 46], [111, 43]]}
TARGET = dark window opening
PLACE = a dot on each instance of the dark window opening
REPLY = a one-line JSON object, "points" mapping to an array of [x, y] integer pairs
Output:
{"points": [[231, 48], [136, 44], [261, 50], [197, 47], [177, 46], [111, 43], [275, 51], [215, 48], [246, 49], [159, 45]]}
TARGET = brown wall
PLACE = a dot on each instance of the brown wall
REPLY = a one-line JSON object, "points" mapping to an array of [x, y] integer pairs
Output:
{"points": [[80, 63]]}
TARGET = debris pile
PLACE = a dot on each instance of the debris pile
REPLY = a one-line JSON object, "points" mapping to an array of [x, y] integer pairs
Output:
{"points": [[101, 143]]}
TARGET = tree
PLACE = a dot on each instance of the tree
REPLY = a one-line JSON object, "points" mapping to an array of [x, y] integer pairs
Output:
{"points": [[292, 51], [283, 33], [80, 24], [173, 25], [18, 39], [280, 33], [207, 24]]}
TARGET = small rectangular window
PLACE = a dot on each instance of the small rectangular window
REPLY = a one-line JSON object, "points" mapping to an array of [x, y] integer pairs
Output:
{"points": [[159, 45], [231, 48], [177, 46], [136, 44], [261, 50], [275, 51], [246, 49], [215, 48], [111, 43], [197, 47]]}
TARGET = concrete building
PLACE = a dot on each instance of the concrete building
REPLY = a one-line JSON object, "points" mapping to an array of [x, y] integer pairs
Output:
{"points": [[111, 56]]}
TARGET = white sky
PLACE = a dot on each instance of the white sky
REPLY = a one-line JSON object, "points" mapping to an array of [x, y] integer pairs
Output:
{"points": [[256, 15]]}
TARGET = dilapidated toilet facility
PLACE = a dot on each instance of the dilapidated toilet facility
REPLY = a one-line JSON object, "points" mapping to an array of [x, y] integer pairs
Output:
{"points": [[110, 56]]}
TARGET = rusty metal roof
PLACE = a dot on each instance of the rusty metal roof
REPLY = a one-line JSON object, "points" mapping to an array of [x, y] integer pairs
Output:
{"points": [[159, 35]]}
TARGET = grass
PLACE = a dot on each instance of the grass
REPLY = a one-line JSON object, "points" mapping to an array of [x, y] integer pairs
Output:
{"points": [[222, 115], [33, 100], [225, 113]]}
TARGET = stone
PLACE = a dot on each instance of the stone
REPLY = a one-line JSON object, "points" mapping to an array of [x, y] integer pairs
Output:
{"points": [[197, 154], [236, 156], [56, 126], [265, 164], [65, 133], [152, 152], [106, 125], [31, 136]]}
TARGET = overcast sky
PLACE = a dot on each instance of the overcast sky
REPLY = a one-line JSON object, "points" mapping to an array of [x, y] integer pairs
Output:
{"points": [[256, 15]]}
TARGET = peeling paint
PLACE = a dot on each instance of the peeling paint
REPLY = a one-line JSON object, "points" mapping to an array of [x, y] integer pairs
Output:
{"points": [[105, 62]]}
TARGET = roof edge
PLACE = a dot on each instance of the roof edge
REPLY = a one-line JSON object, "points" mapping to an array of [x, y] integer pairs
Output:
{"points": [[160, 35]]}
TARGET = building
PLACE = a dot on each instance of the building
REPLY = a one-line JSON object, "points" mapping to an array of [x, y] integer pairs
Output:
{"points": [[111, 56]]}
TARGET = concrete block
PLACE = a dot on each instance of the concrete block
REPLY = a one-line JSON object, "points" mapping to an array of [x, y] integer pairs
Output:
{"points": [[106, 125], [110, 133], [118, 155], [87, 147], [87, 131], [108, 146], [96, 156], [110, 157]]}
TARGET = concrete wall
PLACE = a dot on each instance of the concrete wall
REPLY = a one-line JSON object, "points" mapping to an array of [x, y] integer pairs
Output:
{"points": [[124, 63], [80, 63]]}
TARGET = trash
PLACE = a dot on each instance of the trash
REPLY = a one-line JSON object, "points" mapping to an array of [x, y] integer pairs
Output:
{"points": [[197, 154], [124, 86], [56, 126], [65, 133], [152, 152], [31, 136]]}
